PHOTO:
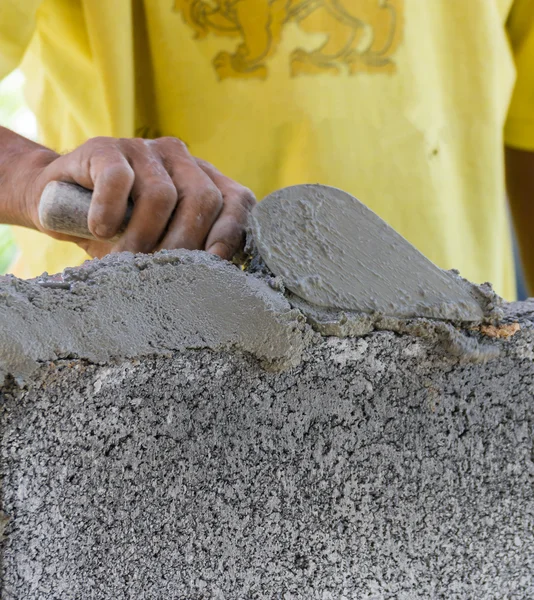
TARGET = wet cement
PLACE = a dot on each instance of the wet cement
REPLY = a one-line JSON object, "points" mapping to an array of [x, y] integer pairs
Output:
{"points": [[176, 427], [332, 251], [127, 305], [130, 306]]}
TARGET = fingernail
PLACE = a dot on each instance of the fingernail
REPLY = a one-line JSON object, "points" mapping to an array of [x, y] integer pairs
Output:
{"points": [[103, 231]]}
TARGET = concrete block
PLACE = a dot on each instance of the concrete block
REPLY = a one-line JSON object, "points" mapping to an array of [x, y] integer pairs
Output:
{"points": [[373, 467]]}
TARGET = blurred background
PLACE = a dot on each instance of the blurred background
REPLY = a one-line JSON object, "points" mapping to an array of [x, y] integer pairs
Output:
{"points": [[521, 288], [15, 114]]}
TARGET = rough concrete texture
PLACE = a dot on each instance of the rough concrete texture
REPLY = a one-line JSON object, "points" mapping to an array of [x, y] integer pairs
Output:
{"points": [[377, 467]]}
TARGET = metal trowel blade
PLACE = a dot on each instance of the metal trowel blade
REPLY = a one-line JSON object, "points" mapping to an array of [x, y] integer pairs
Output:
{"points": [[333, 251]]}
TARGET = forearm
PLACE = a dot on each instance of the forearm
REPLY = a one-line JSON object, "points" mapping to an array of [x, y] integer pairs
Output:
{"points": [[20, 158], [520, 185]]}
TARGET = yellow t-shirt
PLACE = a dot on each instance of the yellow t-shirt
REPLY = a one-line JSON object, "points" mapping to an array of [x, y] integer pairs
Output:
{"points": [[402, 103]]}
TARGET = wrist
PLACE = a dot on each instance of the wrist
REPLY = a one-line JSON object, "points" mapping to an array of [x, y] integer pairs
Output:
{"points": [[21, 162], [34, 173], [27, 185]]}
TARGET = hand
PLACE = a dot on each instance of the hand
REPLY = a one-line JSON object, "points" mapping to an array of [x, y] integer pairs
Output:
{"points": [[179, 201]]}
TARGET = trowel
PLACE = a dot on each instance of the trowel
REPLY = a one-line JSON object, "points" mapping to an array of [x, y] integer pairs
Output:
{"points": [[328, 248]]}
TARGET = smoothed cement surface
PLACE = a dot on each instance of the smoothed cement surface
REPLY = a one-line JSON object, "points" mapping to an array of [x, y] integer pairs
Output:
{"points": [[377, 468], [129, 306], [333, 252]]}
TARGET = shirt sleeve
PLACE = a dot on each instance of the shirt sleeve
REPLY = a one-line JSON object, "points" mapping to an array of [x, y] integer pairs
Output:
{"points": [[519, 129], [17, 24]]}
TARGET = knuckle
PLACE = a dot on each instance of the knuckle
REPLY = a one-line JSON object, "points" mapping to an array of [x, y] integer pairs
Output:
{"points": [[247, 198], [100, 141], [211, 198], [119, 173], [163, 194], [238, 211], [138, 144], [240, 196], [204, 164], [170, 143], [99, 151]]}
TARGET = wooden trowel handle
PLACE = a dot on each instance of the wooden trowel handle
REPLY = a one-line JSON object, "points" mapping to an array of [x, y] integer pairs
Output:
{"points": [[64, 208]]}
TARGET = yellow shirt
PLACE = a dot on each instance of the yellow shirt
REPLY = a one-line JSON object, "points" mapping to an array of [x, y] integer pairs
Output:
{"points": [[402, 103]]}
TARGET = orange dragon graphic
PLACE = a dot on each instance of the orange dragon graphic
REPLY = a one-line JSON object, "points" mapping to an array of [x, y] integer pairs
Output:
{"points": [[361, 35]]}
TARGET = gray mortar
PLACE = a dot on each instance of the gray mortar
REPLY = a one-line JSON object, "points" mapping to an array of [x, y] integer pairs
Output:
{"points": [[461, 339], [129, 306], [377, 468], [332, 251]]}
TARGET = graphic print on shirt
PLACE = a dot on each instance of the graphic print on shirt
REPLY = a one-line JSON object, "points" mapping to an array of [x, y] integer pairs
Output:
{"points": [[361, 35]]}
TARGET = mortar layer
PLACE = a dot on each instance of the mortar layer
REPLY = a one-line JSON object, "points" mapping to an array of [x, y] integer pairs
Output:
{"points": [[378, 468], [332, 251], [128, 306]]}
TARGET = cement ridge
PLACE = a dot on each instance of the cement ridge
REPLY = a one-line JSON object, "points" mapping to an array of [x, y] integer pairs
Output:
{"points": [[334, 252], [127, 306]]}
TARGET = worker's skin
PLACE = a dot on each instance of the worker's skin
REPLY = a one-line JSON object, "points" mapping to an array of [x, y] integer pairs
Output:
{"points": [[520, 185], [180, 201]]}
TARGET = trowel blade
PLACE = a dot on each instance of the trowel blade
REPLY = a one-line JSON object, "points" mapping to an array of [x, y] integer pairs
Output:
{"points": [[333, 251]]}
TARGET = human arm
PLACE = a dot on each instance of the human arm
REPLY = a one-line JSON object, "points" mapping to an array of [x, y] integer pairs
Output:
{"points": [[519, 134], [179, 201], [520, 185]]}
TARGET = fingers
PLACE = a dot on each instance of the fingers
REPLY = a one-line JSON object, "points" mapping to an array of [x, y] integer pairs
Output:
{"points": [[154, 196], [98, 165], [227, 234], [113, 179], [179, 201], [199, 200]]}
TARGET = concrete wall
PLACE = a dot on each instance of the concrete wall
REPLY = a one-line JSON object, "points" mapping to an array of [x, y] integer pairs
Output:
{"points": [[375, 468]]}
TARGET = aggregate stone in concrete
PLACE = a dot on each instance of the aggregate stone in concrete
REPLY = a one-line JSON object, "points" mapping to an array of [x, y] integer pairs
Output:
{"points": [[377, 468]]}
